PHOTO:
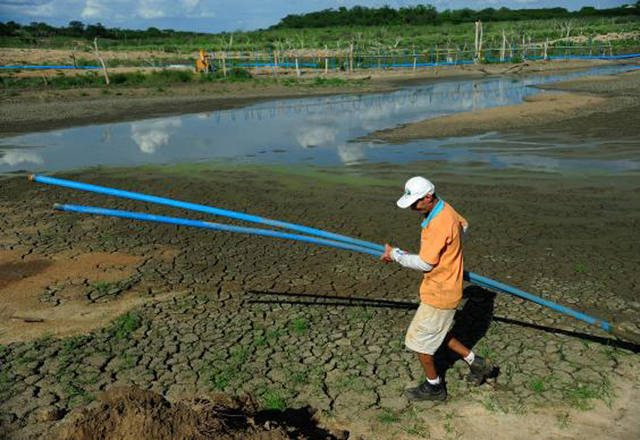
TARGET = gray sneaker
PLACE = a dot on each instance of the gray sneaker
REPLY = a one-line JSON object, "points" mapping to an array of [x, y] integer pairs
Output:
{"points": [[426, 391], [480, 370]]}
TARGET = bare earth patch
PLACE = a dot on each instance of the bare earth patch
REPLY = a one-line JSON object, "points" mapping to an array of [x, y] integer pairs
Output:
{"points": [[25, 316]]}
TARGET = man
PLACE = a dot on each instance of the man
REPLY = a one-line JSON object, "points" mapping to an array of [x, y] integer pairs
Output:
{"points": [[440, 259]]}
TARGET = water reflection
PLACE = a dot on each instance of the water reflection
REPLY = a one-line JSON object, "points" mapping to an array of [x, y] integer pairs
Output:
{"points": [[15, 158], [150, 135], [310, 130], [352, 154]]}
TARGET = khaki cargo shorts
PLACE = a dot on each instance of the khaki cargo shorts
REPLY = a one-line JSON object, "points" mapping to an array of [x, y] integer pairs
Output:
{"points": [[428, 328]]}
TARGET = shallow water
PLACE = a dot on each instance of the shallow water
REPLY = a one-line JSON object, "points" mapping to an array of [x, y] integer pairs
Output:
{"points": [[318, 130]]}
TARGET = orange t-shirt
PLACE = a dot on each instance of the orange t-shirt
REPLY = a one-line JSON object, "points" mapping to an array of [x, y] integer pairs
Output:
{"points": [[441, 246]]}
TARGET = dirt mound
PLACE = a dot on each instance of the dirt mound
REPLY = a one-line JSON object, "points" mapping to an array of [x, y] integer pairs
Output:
{"points": [[133, 413]]}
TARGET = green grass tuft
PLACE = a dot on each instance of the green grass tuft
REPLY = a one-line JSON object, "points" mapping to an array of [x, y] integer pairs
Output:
{"points": [[125, 324], [272, 399]]}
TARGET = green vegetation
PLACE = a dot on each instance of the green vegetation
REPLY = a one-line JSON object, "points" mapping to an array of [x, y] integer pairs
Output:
{"points": [[300, 377], [369, 30], [273, 399], [299, 326], [224, 372], [5, 383], [103, 286], [158, 78], [388, 417], [359, 314], [580, 396], [538, 385], [124, 325], [427, 14]]}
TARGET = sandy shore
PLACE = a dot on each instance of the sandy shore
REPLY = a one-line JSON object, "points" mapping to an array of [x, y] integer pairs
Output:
{"points": [[38, 110]]}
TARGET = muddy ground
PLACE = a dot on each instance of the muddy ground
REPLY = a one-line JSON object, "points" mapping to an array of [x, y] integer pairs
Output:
{"points": [[297, 325]]}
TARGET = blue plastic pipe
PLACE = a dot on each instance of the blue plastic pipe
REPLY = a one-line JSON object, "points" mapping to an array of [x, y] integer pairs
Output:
{"points": [[213, 226], [201, 208], [50, 67], [495, 285]]}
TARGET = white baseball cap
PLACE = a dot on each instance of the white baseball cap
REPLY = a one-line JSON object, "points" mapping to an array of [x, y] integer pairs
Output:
{"points": [[415, 189]]}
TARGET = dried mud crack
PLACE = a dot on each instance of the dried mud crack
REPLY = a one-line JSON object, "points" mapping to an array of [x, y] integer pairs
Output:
{"points": [[299, 327]]}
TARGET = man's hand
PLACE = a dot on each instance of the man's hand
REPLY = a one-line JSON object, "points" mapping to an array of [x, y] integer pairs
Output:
{"points": [[386, 257]]}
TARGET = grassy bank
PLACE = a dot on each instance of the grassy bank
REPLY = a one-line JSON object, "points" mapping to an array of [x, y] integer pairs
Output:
{"points": [[157, 79]]}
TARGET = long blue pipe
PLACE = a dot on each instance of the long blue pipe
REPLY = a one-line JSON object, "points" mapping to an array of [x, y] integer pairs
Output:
{"points": [[201, 208], [337, 240], [209, 225], [50, 67]]}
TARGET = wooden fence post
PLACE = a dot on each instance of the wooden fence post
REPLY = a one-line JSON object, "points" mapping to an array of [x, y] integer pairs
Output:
{"points": [[351, 58], [224, 64], [274, 65], [546, 48], [104, 67], [478, 42]]}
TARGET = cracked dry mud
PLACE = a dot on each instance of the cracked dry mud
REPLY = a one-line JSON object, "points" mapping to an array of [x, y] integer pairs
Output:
{"points": [[297, 325]]}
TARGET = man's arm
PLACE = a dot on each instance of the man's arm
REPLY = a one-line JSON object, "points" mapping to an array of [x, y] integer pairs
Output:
{"points": [[411, 261]]}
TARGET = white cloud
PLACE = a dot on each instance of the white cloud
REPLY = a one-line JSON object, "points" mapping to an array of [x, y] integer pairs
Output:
{"points": [[316, 136], [150, 135], [190, 5], [150, 9], [14, 157], [44, 10], [352, 153], [93, 9]]}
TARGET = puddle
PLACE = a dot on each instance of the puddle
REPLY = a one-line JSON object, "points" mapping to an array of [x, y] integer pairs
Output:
{"points": [[314, 131]]}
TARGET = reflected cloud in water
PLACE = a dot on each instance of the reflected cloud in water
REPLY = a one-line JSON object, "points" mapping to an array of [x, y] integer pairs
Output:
{"points": [[352, 154], [316, 135], [150, 135], [16, 157]]}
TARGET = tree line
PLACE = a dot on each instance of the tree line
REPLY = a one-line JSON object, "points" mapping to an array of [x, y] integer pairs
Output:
{"points": [[77, 29], [427, 14]]}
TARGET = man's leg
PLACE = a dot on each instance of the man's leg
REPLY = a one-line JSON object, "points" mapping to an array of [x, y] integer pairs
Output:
{"points": [[456, 346], [429, 367], [433, 388], [480, 369]]}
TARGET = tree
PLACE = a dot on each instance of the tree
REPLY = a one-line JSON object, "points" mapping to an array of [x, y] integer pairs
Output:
{"points": [[76, 28]]}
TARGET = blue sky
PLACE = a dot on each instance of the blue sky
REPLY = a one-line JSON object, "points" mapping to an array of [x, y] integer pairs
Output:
{"points": [[226, 15]]}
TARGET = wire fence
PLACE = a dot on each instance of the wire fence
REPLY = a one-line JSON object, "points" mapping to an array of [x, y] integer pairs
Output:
{"points": [[276, 62], [414, 60]]}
